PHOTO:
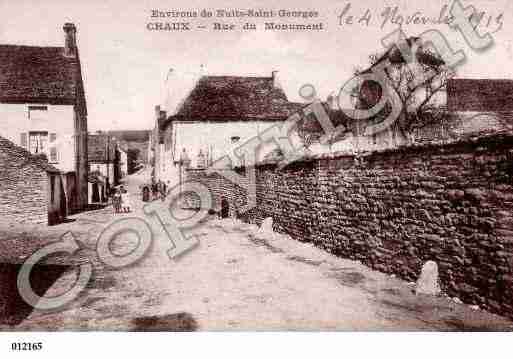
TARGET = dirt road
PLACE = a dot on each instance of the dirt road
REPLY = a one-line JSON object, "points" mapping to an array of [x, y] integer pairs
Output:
{"points": [[238, 280]]}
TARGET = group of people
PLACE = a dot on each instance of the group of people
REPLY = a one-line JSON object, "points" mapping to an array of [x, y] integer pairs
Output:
{"points": [[157, 190], [121, 200], [121, 197]]}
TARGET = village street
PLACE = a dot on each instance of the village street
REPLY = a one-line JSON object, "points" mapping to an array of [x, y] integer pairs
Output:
{"points": [[235, 280]]}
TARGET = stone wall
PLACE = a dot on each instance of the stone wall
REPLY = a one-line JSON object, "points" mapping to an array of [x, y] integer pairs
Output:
{"points": [[23, 191], [220, 189], [396, 209]]}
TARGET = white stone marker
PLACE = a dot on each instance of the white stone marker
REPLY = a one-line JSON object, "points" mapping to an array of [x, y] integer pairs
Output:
{"points": [[428, 280], [266, 226]]}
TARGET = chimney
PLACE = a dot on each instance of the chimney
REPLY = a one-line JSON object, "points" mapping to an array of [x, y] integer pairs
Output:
{"points": [[203, 70], [157, 114], [70, 43], [276, 82]]}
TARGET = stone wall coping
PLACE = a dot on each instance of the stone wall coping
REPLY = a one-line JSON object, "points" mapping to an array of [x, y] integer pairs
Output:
{"points": [[500, 137]]}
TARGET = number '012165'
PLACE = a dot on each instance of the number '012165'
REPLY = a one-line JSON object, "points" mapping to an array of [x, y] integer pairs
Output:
{"points": [[26, 346]]}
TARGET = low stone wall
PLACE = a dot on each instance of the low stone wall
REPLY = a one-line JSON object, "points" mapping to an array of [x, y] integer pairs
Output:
{"points": [[23, 193], [221, 189], [396, 209]]}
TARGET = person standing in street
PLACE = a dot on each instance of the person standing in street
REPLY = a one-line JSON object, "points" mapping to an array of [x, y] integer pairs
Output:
{"points": [[125, 200], [116, 201], [163, 191], [154, 190]]}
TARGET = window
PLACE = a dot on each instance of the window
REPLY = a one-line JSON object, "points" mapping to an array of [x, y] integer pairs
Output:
{"points": [[38, 142], [37, 112]]}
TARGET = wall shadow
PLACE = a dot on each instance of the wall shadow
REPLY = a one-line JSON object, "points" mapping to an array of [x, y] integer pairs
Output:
{"points": [[13, 309]]}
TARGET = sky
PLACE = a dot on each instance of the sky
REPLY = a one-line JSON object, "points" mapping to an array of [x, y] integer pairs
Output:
{"points": [[128, 69]]}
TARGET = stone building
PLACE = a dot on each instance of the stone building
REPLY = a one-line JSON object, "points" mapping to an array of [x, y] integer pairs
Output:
{"points": [[219, 114], [32, 190], [43, 108]]}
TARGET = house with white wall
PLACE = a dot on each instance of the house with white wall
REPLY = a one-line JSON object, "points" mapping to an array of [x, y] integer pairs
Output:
{"points": [[218, 115], [43, 108], [123, 161]]}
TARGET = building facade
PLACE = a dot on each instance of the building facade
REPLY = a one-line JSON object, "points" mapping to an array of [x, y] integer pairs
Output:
{"points": [[104, 158], [218, 115], [43, 109]]}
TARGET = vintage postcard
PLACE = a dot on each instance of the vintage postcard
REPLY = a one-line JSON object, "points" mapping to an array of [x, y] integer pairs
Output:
{"points": [[256, 166]]}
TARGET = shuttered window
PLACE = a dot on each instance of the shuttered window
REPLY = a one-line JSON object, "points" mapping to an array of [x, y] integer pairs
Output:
{"points": [[38, 142]]}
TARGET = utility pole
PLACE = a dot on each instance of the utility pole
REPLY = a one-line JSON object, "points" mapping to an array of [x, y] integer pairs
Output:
{"points": [[108, 159]]}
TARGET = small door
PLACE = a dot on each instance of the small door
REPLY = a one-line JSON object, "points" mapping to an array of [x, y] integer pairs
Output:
{"points": [[96, 193]]}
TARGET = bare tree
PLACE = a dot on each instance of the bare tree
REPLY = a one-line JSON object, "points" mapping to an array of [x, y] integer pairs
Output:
{"points": [[417, 83]]}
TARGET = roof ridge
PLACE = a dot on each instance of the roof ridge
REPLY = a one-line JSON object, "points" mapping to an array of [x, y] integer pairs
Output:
{"points": [[237, 76], [32, 46], [481, 79]]}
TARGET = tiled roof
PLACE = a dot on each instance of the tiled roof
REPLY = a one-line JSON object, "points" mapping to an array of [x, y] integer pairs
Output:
{"points": [[97, 148], [480, 95], [236, 98], [38, 74], [28, 158], [131, 135], [312, 130]]}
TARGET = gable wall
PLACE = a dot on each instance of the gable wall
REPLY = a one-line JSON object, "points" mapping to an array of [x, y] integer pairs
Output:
{"points": [[59, 119]]}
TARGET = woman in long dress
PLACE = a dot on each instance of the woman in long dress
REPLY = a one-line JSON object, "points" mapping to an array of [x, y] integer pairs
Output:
{"points": [[125, 200]]}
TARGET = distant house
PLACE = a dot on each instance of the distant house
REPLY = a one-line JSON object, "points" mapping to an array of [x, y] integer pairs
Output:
{"points": [[31, 190], [104, 158], [43, 109], [219, 113], [471, 107]]}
